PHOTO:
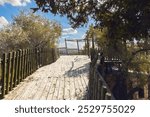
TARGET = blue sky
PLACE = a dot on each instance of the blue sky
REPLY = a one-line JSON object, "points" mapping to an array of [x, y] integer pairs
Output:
{"points": [[10, 8]]}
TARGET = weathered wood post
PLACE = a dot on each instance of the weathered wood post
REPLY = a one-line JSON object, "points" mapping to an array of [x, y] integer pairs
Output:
{"points": [[88, 47], [16, 69], [19, 66], [103, 92], [8, 73], [3, 65], [12, 70], [93, 45], [22, 64], [53, 54], [85, 45], [25, 62], [78, 46], [66, 47], [99, 88]]}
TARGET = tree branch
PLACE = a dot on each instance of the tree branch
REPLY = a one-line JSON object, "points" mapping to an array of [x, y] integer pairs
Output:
{"points": [[136, 52]]}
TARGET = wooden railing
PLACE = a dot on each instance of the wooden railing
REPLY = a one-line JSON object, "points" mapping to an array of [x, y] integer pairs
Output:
{"points": [[98, 88], [16, 66]]}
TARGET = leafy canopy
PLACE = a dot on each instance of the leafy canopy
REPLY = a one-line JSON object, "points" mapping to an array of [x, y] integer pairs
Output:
{"points": [[29, 30], [126, 19]]}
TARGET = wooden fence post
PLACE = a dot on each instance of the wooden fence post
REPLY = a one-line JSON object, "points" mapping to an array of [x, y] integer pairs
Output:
{"points": [[19, 65], [88, 47], [78, 46], [99, 88], [25, 64], [8, 73], [66, 47], [32, 60], [29, 62], [53, 55], [22, 65], [12, 70], [103, 92], [4, 60], [16, 69]]}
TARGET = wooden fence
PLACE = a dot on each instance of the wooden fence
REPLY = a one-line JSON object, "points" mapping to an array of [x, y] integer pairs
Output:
{"points": [[16, 66], [98, 88]]}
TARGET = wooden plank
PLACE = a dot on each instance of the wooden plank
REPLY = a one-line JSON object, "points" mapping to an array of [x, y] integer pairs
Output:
{"points": [[12, 94], [51, 93], [40, 89], [17, 91], [57, 89], [32, 85], [80, 88], [61, 89], [77, 89], [47, 89], [67, 88], [72, 88]]}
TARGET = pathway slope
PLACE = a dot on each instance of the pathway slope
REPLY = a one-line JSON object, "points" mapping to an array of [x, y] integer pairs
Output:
{"points": [[66, 79]]}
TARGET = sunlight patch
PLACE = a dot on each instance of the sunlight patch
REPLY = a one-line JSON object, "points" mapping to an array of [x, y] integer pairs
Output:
{"points": [[69, 31]]}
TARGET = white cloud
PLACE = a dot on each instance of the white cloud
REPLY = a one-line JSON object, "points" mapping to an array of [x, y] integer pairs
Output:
{"points": [[69, 31], [3, 21], [15, 2]]}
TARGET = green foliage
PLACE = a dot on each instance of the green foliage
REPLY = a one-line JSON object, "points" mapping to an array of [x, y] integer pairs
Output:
{"points": [[29, 30], [131, 52], [110, 47], [12, 37], [40, 30], [123, 18]]}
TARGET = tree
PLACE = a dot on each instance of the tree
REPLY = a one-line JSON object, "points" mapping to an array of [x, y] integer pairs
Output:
{"points": [[125, 20], [12, 37], [138, 64], [126, 16], [40, 30], [29, 30]]}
